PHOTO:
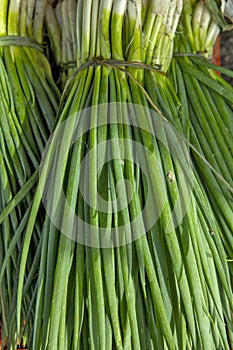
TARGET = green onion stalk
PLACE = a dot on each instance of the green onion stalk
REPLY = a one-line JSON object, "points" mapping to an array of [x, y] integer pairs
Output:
{"points": [[198, 27], [28, 104], [158, 19], [128, 257], [60, 24]]}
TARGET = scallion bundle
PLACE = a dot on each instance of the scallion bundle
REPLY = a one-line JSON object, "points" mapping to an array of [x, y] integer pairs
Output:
{"points": [[110, 283], [207, 100], [28, 104]]}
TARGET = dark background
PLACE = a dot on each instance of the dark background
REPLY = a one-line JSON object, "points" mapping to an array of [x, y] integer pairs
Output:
{"points": [[226, 43]]}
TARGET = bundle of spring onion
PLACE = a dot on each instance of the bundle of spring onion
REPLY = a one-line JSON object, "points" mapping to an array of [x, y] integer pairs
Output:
{"points": [[131, 257], [208, 101], [28, 104]]}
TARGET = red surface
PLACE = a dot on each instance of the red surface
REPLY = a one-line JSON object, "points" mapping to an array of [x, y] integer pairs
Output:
{"points": [[216, 59]]}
